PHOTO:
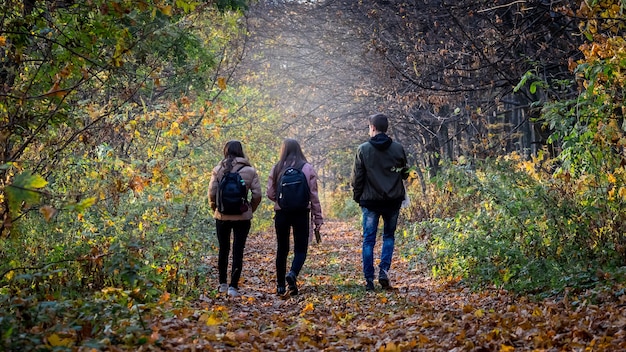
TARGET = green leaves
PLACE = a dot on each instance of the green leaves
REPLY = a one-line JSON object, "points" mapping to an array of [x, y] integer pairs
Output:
{"points": [[24, 191]]}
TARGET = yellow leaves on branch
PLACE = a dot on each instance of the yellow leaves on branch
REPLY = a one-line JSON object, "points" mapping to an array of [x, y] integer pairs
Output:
{"points": [[604, 48], [174, 130]]}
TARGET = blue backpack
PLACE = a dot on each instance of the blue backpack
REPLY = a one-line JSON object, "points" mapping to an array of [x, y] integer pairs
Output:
{"points": [[232, 194], [293, 189]]}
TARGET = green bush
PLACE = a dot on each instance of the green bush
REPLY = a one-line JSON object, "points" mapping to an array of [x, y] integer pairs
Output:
{"points": [[517, 229]]}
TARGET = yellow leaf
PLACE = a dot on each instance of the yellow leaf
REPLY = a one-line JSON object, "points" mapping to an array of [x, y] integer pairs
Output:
{"points": [[213, 320], [622, 193], [611, 178], [167, 10], [3, 40], [506, 348], [56, 341], [221, 82], [479, 313]]}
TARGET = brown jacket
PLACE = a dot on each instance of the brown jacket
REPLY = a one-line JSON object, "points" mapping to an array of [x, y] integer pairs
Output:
{"points": [[315, 206], [249, 175]]}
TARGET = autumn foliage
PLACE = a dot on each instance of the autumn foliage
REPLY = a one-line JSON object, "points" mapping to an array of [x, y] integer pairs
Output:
{"points": [[113, 112]]}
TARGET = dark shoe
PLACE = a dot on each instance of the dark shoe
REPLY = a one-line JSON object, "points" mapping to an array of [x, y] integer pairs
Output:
{"points": [[384, 282], [369, 285], [291, 283], [280, 290]]}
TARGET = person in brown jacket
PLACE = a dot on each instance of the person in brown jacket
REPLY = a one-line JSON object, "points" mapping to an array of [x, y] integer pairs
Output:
{"points": [[297, 219], [239, 224]]}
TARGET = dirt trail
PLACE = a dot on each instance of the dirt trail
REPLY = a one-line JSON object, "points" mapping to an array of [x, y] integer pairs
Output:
{"points": [[334, 313]]}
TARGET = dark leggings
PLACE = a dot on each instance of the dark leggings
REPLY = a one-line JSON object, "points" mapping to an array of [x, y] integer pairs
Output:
{"points": [[240, 229], [283, 223]]}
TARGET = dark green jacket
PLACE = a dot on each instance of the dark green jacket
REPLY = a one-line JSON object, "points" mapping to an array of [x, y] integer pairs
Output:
{"points": [[378, 172]]}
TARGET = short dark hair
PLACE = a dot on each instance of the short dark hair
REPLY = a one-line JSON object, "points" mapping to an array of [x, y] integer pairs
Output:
{"points": [[380, 122]]}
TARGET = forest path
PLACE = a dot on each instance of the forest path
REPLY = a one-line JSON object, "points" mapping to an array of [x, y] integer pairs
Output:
{"points": [[333, 312]]}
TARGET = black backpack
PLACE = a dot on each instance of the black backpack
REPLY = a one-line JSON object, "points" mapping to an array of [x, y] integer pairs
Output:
{"points": [[232, 194], [293, 189]]}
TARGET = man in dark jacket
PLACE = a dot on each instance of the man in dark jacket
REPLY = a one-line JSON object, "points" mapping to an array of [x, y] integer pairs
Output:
{"points": [[379, 168]]}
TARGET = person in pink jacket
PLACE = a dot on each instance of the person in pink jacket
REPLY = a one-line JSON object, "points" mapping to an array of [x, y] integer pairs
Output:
{"points": [[238, 224], [299, 220]]}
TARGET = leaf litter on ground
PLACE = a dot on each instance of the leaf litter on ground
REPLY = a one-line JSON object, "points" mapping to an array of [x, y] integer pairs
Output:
{"points": [[333, 312]]}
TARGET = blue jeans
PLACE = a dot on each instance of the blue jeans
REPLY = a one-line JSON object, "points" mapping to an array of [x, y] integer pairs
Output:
{"points": [[370, 227]]}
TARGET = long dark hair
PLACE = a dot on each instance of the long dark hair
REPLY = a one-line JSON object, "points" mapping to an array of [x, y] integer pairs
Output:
{"points": [[290, 155], [233, 149]]}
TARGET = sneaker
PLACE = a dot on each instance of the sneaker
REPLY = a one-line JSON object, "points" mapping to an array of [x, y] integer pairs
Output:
{"points": [[280, 290], [384, 283], [383, 280], [222, 288], [369, 285], [291, 282], [233, 292]]}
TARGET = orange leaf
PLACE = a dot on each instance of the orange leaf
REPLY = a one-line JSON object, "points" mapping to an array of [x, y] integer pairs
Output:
{"points": [[308, 308], [48, 212], [56, 91], [165, 297]]}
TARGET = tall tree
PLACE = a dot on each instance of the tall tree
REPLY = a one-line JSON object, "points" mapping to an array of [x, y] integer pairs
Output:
{"points": [[447, 71]]}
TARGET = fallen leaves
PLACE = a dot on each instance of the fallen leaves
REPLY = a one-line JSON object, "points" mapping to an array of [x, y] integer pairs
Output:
{"points": [[334, 313]]}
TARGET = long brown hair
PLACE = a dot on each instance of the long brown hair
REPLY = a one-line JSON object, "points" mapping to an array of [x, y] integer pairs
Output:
{"points": [[233, 149], [290, 155]]}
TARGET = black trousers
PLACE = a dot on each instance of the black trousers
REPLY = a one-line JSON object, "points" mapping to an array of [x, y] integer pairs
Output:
{"points": [[284, 222], [240, 230]]}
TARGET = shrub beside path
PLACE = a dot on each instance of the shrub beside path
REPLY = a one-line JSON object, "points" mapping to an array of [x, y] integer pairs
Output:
{"points": [[334, 313]]}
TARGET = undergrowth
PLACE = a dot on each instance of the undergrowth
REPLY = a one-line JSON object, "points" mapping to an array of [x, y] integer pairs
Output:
{"points": [[512, 224]]}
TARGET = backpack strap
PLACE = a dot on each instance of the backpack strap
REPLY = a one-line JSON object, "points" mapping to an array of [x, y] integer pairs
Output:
{"points": [[290, 167], [231, 170]]}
